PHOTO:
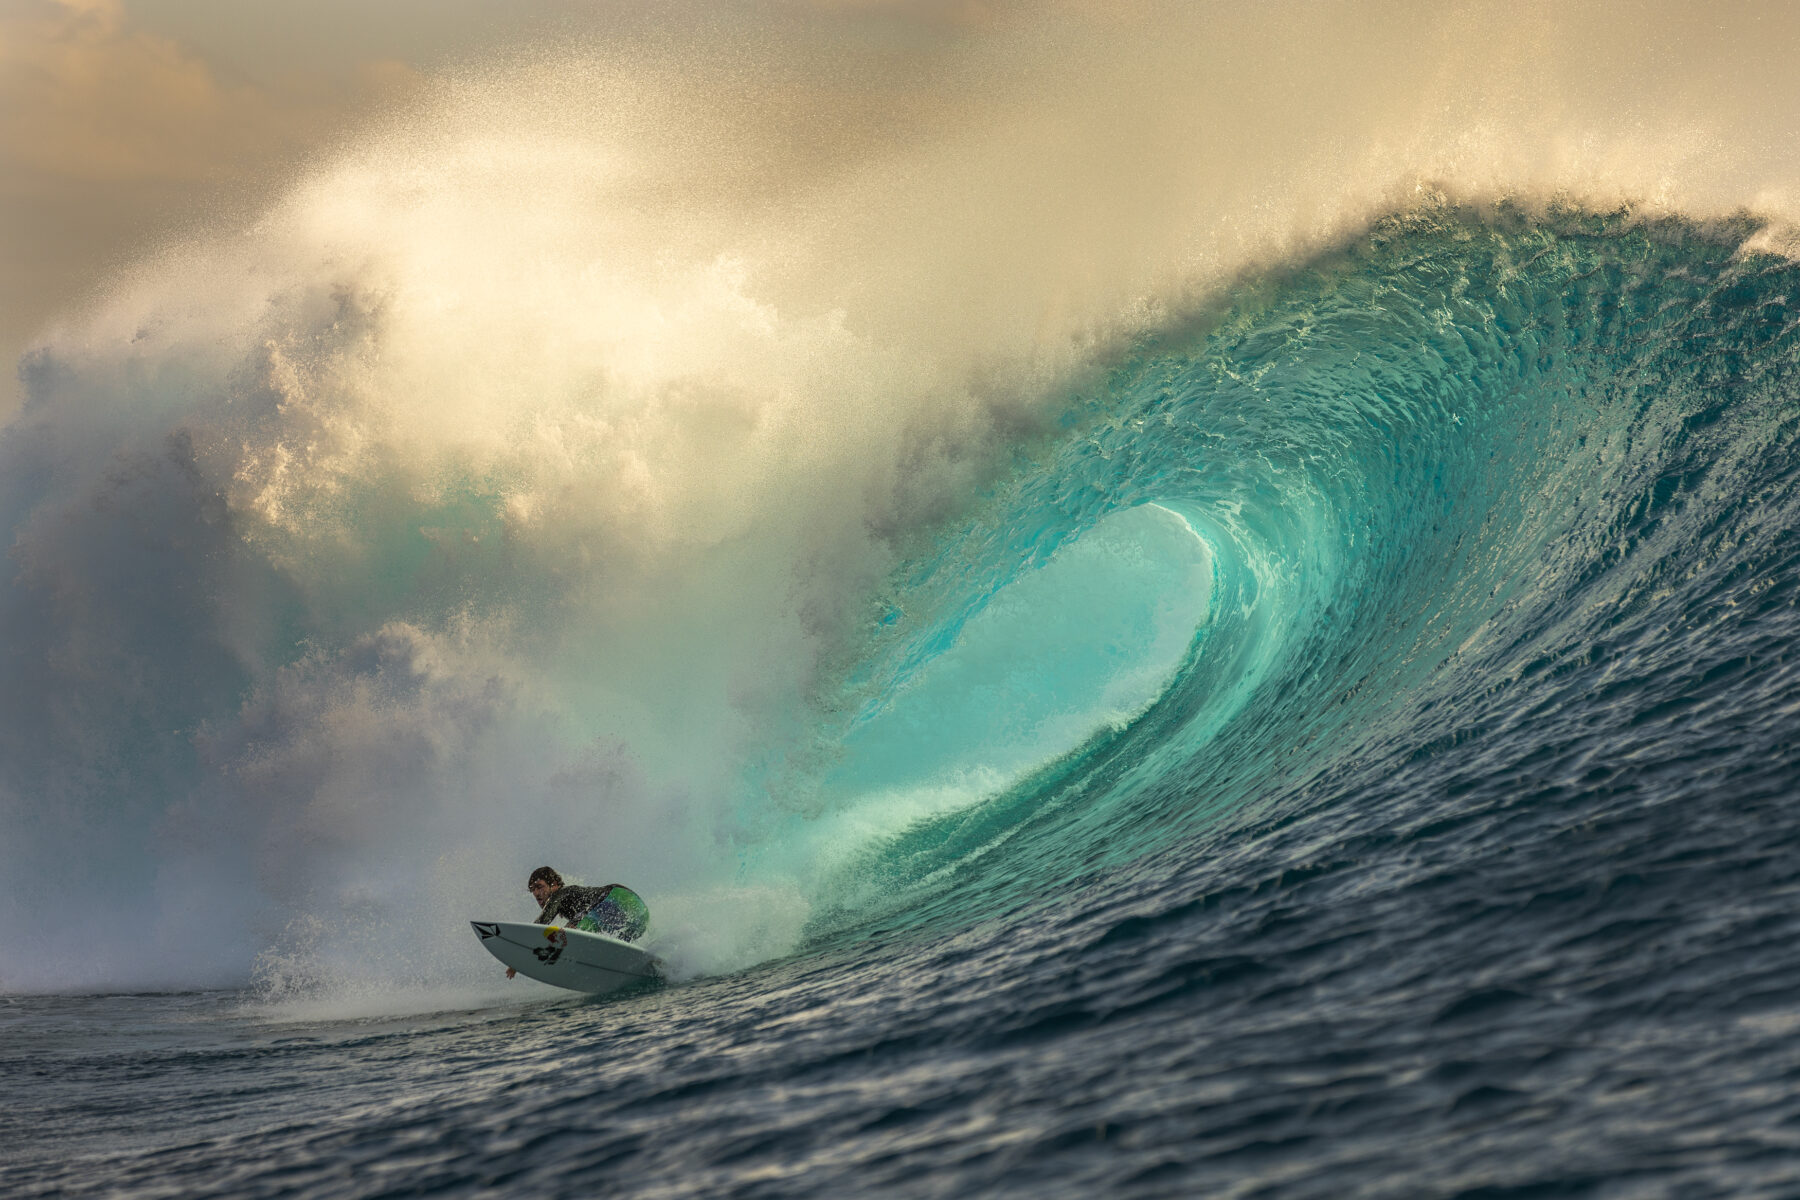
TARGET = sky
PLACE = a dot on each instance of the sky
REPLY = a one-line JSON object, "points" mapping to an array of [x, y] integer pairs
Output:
{"points": [[125, 122]]}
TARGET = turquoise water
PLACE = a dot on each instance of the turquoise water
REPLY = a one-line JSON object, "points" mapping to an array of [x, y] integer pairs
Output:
{"points": [[1447, 480]]}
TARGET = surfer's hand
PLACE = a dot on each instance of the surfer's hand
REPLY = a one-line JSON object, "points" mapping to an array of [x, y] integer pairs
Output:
{"points": [[510, 972]]}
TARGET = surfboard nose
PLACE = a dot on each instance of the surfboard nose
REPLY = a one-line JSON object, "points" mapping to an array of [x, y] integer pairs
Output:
{"points": [[485, 929]]}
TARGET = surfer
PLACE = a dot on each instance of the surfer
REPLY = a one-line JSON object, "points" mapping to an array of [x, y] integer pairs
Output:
{"points": [[615, 910]]}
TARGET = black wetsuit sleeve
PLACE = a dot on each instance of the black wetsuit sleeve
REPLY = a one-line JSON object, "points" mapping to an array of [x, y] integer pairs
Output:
{"points": [[562, 905], [571, 903]]}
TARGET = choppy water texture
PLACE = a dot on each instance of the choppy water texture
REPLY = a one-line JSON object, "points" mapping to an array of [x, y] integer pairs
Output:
{"points": [[1455, 854]]}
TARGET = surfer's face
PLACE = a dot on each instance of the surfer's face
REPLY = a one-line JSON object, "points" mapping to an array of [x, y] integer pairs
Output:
{"points": [[540, 890]]}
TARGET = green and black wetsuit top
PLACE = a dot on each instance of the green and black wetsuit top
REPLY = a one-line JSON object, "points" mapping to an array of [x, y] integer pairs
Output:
{"points": [[613, 909]]}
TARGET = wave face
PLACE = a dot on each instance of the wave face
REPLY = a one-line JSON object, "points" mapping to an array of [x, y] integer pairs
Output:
{"points": [[1467, 810], [1496, 510]]}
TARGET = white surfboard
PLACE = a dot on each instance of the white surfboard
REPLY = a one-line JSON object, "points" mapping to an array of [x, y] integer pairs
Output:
{"points": [[566, 958]]}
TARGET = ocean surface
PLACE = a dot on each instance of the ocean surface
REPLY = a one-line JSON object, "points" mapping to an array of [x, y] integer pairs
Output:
{"points": [[1161, 600]]}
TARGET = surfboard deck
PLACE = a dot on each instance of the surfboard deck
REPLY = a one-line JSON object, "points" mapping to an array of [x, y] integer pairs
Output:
{"points": [[566, 958]]}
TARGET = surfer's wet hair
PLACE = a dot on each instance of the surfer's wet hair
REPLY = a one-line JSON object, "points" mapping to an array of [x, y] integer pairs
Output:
{"points": [[547, 875]]}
